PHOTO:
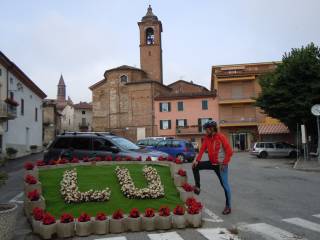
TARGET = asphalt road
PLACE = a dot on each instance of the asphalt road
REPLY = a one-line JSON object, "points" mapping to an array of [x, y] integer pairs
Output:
{"points": [[270, 200]]}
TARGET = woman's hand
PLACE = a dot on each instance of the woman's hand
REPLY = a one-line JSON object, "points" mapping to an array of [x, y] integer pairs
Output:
{"points": [[194, 163]]}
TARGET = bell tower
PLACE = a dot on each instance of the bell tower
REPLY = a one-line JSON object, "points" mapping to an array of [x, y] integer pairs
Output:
{"points": [[61, 93], [150, 45]]}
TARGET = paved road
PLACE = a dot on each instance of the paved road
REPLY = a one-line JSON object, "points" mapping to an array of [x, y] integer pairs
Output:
{"points": [[270, 201]]}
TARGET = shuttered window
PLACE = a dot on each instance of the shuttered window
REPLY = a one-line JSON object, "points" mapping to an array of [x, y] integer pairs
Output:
{"points": [[165, 124]]}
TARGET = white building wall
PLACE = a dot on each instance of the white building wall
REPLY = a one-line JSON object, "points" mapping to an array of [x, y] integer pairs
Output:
{"points": [[67, 122], [78, 117]]}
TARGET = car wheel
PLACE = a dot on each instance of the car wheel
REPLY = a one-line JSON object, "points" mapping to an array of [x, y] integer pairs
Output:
{"points": [[293, 154], [263, 154], [181, 157]]}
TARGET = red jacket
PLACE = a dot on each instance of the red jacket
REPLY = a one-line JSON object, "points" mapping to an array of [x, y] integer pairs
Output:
{"points": [[219, 149]]}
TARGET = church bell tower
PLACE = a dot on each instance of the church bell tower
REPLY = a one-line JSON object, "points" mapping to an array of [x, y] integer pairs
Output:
{"points": [[150, 45]]}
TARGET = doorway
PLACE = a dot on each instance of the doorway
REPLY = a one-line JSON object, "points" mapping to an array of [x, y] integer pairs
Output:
{"points": [[240, 141]]}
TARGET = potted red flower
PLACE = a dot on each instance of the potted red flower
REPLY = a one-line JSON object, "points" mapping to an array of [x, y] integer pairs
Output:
{"points": [[118, 158], [34, 199], [148, 220], [164, 218], [194, 212], [30, 169], [74, 160], [37, 214], [117, 222], [31, 183], [139, 159], [40, 163], [48, 226], [101, 224], [148, 159], [170, 158], [186, 191], [134, 220], [178, 218], [128, 158], [83, 225], [180, 178], [65, 226], [109, 158]]}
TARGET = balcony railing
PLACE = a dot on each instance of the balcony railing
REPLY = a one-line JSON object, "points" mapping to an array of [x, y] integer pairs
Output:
{"points": [[188, 130], [237, 97], [238, 120], [7, 111]]}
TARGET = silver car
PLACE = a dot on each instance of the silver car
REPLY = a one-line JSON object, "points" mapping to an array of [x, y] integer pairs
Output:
{"points": [[273, 149]]}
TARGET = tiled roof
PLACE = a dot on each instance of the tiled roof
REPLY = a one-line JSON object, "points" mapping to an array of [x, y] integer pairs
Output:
{"points": [[186, 95], [278, 128], [82, 105]]}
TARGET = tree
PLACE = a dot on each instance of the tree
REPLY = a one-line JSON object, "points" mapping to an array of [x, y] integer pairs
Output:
{"points": [[289, 92]]}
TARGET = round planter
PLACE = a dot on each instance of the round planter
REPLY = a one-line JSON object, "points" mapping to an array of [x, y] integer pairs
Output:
{"points": [[163, 223], [33, 172], [36, 226], [30, 187], [148, 223], [134, 224], [184, 195], [30, 205], [100, 227], [194, 220], [83, 228], [47, 231], [179, 221], [8, 218], [179, 180], [117, 225], [65, 230]]}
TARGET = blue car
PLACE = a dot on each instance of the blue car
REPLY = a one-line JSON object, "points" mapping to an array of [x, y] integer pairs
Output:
{"points": [[181, 149]]}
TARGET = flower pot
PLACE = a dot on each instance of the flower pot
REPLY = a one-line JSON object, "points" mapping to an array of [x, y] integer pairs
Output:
{"points": [[30, 205], [83, 228], [163, 222], [148, 223], [100, 227], [8, 218], [36, 226], [65, 230], [33, 172], [47, 231], [179, 180], [194, 220], [30, 187], [117, 225], [184, 195], [179, 221], [134, 224]]}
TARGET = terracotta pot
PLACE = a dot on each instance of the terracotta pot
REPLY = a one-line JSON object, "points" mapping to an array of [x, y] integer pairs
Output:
{"points": [[65, 230], [148, 223], [83, 228], [100, 227], [30, 187], [163, 223], [194, 220], [33, 172], [35, 226], [30, 205], [184, 195], [47, 231], [117, 225], [179, 221], [179, 180], [134, 224]]}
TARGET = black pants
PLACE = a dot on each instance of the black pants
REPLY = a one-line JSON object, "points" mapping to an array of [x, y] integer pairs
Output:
{"points": [[222, 175]]}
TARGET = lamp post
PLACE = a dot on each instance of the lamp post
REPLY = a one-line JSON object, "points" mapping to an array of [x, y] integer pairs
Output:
{"points": [[316, 111]]}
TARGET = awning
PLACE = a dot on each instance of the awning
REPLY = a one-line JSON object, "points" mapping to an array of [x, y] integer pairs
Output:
{"points": [[278, 128]]}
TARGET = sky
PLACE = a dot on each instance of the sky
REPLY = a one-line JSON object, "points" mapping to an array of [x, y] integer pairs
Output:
{"points": [[82, 38]]}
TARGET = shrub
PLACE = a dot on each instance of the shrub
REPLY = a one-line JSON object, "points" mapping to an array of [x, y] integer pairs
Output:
{"points": [[34, 195], [11, 151], [30, 179]]}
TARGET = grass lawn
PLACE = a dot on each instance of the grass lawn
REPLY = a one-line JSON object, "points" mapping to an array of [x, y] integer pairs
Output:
{"points": [[99, 177]]}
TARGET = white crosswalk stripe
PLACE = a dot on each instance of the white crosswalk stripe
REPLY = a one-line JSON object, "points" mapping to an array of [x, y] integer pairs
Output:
{"points": [[269, 232], [165, 236], [112, 238], [214, 217], [317, 215], [303, 223], [217, 234]]}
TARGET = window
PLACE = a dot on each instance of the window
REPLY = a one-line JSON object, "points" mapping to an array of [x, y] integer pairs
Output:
{"points": [[279, 145], [201, 122], [260, 145], [150, 36], [180, 106], [63, 142], [81, 143], [22, 107], [165, 124], [100, 144], [83, 112], [11, 95], [165, 107], [124, 79], [176, 144], [204, 104], [181, 122], [36, 114], [269, 145], [163, 143], [125, 143], [83, 121]]}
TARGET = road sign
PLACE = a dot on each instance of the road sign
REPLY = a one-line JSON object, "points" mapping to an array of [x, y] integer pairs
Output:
{"points": [[316, 110]]}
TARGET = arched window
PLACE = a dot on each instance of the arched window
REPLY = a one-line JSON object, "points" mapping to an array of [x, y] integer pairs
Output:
{"points": [[150, 36], [124, 79]]}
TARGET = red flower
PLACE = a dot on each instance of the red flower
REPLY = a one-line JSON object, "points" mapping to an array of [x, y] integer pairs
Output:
{"points": [[63, 161], [182, 172], [178, 210], [98, 158], [139, 158], [118, 214], [193, 206], [85, 159], [40, 163], [148, 158], [149, 212], [28, 166], [170, 158], [101, 216], [48, 219], [109, 158], [66, 218], [187, 187], [74, 160], [34, 195], [190, 201], [118, 158], [30, 179], [178, 161], [37, 213], [128, 158], [164, 211], [52, 162], [84, 217], [160, 158], [134, 213]]}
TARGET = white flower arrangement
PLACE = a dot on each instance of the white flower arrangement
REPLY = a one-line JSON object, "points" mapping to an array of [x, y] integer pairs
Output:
{"points": [[70, 191], [155, 188]]}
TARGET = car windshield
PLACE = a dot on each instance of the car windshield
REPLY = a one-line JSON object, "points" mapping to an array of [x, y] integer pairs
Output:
{"points": [[125, 143]]}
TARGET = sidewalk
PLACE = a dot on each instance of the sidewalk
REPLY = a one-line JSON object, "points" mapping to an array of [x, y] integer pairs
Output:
{"points": [[310, 165]]}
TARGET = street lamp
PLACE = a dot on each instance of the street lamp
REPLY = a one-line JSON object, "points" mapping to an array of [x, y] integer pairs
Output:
{"points": [[316, 111]]}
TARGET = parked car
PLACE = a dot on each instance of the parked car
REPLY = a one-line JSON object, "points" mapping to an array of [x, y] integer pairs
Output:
{"points": [[82, 145], [274, 149], [151, 142], [181, 149]]}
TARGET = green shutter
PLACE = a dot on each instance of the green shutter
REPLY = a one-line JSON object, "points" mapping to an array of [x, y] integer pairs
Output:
{"points": [[161, 125], [199, 125], [169, 107], [169, 124], [160, 105]]}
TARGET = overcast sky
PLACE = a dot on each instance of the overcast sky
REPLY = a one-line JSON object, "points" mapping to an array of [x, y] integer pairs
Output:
{"points": [[83, 38]]}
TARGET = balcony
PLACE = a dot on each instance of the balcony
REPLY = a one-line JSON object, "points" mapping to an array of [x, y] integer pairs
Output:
{"points": [[7, 111], [236, 79], [236, 100], [188, 130], [238, 121]]}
